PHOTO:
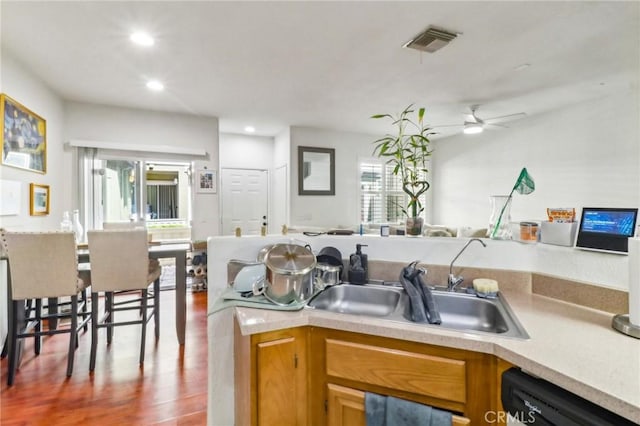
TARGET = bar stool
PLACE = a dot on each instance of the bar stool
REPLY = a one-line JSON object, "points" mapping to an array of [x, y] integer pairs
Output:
{"points": [[42, 265], [120, 262]]}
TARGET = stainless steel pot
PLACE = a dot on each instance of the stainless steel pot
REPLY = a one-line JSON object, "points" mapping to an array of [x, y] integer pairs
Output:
{"points": [[326, 275], [290, 274], [263, 252]]}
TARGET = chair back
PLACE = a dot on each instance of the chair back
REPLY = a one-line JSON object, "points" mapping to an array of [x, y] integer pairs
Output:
{"points": [[122, 225], [43, 264], [119, 259]]}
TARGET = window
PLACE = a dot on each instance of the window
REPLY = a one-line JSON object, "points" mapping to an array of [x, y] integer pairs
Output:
{"points": [[114, 188], [381, 195]]}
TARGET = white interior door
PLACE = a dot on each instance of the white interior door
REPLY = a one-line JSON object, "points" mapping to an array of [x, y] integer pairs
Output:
{"points": [[244, 200]]}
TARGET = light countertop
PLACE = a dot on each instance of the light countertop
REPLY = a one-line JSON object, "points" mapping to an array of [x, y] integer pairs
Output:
{"points": [[570, 346]]}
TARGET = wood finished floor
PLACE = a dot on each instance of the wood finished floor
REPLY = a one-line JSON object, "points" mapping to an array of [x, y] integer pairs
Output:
{"points": [[170, 389]]}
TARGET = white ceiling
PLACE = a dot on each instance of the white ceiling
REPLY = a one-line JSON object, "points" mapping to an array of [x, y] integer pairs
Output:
{"points": [[328, 64]]}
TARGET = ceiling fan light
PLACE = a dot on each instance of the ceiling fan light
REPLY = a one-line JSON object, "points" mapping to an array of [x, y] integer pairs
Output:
{"points": [[141, 39], [472, 128]]}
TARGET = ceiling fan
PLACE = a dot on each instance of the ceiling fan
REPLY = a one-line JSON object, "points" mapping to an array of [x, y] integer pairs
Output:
{"points": [[474, 124]]}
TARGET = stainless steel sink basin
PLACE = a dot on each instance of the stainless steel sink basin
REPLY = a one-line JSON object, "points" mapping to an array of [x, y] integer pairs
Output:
{"points": [[374, 301], [458, 311]]}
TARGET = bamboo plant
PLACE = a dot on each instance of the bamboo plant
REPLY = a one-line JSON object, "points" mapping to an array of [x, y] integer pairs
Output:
{"points": [[408, 152]]}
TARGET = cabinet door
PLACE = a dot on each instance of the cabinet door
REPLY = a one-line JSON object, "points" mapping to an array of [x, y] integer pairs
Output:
{"points": [[277, 382], [346, 408]]}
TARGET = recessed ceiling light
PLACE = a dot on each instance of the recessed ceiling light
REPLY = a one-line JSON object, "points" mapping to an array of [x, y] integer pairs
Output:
{"points": [[141, 39], [155, 85], [249, 129]]}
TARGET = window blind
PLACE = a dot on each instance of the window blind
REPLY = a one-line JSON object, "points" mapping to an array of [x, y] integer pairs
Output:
{"points": [[381, 194]]}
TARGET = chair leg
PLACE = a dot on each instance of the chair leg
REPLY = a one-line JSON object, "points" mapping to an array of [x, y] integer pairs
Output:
{"points": [[108, 308], [52, 303], [13, 340], [73, 335], [38, 327], [156, 307], [5, 348], [144, 325], [94, 330], [84, 309]]}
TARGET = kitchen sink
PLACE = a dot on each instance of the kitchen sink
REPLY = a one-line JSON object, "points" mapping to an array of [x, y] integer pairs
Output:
{"points": [[458, 311], [371, 300]]}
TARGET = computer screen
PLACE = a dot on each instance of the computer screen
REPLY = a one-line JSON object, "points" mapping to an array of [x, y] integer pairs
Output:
{"points": [[606, 229]]}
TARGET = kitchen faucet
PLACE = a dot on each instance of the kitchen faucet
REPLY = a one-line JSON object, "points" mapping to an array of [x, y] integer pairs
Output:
{"points": [[453, 281]]}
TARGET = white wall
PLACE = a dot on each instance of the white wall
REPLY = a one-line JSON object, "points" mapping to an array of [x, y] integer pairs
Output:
{"points": [[246, 152], [18, 83], [140, 127], [583, 155], [329, 211], [281, 181]]}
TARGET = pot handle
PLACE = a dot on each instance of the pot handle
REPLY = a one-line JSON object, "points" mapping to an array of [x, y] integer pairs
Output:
{"points": [[258, 286]]}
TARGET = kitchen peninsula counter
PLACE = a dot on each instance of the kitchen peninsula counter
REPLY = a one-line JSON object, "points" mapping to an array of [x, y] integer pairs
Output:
{"points": [[571, 346]]}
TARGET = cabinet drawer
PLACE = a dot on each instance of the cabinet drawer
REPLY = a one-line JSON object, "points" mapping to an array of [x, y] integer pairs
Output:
{"points": [[347, 407], [417, 373]]}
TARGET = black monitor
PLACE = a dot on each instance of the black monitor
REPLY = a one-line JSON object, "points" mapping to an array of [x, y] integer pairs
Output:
{"points": [[606, 229]]}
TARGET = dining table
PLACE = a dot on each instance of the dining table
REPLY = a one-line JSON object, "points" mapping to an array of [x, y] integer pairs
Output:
{"points": [[176, 251]]}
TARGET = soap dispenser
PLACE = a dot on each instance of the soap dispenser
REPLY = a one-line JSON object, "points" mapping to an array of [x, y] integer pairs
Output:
{"points": [[358, 266]]}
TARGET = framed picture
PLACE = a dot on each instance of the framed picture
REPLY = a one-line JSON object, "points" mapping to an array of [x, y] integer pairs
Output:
{"points": [[39, 199], [206, 181], [316, 171], [24, 136]]}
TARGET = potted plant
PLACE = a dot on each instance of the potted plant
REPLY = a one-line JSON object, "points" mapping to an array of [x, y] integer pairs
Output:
{"points": [[408, 152]]}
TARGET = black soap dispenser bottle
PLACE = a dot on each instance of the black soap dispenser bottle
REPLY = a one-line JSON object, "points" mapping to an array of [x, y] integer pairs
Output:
{"points": [[358, 266]]}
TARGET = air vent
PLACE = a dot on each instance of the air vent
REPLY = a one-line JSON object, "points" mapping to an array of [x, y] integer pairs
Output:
{"points": [[431, 40]]}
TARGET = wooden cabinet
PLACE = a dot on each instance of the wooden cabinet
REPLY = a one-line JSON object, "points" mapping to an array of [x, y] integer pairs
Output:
{"points": [[346, 408], [462, 382], [276, 382], [317, 376], [428, 375]]}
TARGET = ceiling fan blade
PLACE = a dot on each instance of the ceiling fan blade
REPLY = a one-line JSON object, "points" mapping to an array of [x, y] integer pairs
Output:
{"points": [[504, 117], [447, 125], [496, 125]]}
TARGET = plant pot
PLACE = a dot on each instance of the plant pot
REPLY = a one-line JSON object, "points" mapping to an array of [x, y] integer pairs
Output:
{"points": [[413, 226]]}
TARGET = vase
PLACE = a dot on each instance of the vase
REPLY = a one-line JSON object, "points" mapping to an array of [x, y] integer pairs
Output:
{"points": [[66, 225], [77, 227], [413, 226], [500, 218]]}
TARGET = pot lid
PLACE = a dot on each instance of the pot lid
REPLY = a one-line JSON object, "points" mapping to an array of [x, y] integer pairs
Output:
{"points": [[290, 258]]}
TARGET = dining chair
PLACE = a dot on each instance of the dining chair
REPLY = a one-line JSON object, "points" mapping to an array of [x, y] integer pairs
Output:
{"points": [[43, 265], [120, 263], [122, 224]]}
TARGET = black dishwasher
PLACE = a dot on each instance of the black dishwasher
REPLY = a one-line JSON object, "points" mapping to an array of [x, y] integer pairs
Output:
{"points": [[533, 401]]}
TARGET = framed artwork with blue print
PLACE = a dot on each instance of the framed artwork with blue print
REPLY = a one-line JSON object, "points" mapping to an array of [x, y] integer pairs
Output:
{"points": [[24, 136]]}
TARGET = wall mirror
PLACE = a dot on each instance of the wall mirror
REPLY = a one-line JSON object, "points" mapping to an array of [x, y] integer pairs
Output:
{"points": [[316, 171]]}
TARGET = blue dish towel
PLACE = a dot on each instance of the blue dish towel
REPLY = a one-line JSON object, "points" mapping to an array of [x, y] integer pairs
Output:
{"points": [[390, 411]]}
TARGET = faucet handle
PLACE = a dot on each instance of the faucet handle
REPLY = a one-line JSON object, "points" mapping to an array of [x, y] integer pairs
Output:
{"points": [[453, 282]]}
